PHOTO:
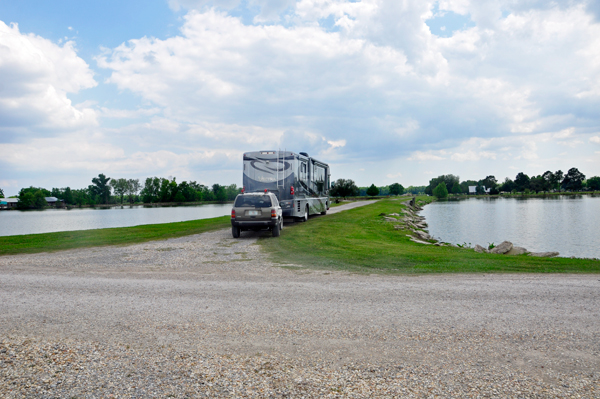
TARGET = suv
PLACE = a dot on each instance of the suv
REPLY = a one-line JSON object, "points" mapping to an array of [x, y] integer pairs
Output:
{"points": [[256, 211]]}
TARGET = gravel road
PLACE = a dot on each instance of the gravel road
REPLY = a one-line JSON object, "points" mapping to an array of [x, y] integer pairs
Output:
{"points": [[210, 316]]}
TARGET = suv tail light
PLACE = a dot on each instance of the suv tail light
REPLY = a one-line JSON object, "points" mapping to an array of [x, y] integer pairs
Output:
{"points": [[233, 213], [273, 214], [292, 190]]}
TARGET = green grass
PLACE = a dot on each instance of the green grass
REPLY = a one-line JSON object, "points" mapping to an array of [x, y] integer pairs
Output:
{"points": [[49, 242], [359, 240]]}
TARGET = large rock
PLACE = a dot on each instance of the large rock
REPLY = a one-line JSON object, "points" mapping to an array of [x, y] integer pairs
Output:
{"points": [[544, 254], [480, 249], [502, 248], [517, 251], [422, 235], [419, 241]]}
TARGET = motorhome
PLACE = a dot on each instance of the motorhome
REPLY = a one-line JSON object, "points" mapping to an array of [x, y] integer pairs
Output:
{"points": [[301, 183]]}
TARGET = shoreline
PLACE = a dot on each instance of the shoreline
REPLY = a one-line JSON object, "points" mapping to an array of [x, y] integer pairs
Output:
{"points": [[508, 247]]}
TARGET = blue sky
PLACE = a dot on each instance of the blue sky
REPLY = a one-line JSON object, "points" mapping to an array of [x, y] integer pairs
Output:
{"points": [[385, 91]]}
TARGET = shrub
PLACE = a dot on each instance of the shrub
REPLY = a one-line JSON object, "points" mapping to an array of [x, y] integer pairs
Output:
{"points": [[440, 191], [372, 191]]}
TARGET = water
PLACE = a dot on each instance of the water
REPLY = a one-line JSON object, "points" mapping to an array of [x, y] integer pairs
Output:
{"points": [[567, 224], [51, 220]]}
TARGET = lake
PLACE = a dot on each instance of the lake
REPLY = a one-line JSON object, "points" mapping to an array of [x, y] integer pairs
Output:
{"points": [[567, 224], [51, 220]]}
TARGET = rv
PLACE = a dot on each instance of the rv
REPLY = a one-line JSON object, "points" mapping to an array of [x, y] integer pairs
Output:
{"points": [[301, 183]]}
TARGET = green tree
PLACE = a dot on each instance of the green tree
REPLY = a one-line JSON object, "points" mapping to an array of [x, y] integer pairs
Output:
{"points": [[440, 191], [573, 180], [456, 189], [549, 183], [416, 189], [448, 180], [507, 186], [25, 200], [68, 196], [396, 189], [521, 182], [101, 188], [232, 191], [219, 192], [151, 190], [120, 187], [28, 199], [558, 178], [133, 187], [593, 183], [179, 197], [537, 184], [344, 188], [372, 191], [39, 200], [1, 193]]}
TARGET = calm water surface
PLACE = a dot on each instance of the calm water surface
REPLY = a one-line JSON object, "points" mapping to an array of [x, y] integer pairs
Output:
{"points": [[567, 224], [50, 220]]}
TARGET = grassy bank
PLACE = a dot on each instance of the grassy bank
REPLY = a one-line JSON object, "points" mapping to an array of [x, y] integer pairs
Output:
{"points": [[49, 242], [360, 240]]}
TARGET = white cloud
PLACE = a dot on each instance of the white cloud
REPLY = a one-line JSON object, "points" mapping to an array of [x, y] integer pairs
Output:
{"points": [[128, 114], [427, 156], [35, 77], [393, 175], [472, 156], [336, 144], [365, 81]]}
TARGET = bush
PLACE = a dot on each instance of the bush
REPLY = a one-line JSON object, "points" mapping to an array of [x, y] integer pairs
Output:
{"points": [[440, 191], [372, 191]]}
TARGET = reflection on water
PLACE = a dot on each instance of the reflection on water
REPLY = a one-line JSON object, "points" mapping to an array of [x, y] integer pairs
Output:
{"points": [[567, 224], [49, 220]]}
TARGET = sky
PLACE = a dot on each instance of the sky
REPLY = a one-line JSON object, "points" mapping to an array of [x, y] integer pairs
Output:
{"points": [[384, 91]]}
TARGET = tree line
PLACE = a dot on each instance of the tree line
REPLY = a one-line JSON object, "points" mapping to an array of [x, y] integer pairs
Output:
{"points": [[549, 181], [105, 190], [347, 188]]}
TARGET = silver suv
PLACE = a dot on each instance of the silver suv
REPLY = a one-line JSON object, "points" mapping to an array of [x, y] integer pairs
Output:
{"points": [[256, 211]]}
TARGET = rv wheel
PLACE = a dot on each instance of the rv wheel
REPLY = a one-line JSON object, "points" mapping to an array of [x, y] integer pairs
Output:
{"points": [[305, 217]]}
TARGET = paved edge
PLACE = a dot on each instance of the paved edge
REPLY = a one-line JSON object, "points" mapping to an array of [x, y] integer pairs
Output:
{"points": [[351, 205]]}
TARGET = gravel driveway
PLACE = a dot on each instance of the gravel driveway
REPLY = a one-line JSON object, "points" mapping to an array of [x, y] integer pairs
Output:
{"points": [[208, 315]]}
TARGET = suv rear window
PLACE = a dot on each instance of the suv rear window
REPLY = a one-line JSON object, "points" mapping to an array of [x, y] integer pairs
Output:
{"points": [[257, 201]]}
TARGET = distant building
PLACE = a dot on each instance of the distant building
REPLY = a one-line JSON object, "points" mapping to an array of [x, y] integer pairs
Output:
{"points": [[53, 201], [473, 190], [8, 203]]}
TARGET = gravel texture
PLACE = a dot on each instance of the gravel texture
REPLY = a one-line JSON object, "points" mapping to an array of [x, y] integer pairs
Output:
{"points": [[210, 316]]}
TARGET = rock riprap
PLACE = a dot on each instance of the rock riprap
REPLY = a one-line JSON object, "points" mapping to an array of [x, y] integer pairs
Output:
{"points": [[502, 248]]}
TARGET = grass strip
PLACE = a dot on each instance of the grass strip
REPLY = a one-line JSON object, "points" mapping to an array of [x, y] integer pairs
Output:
{"points": [[50, 242], [359, 240]]}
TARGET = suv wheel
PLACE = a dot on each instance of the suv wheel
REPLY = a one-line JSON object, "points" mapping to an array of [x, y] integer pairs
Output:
{"points": [[276, 230], [235, 231]]}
